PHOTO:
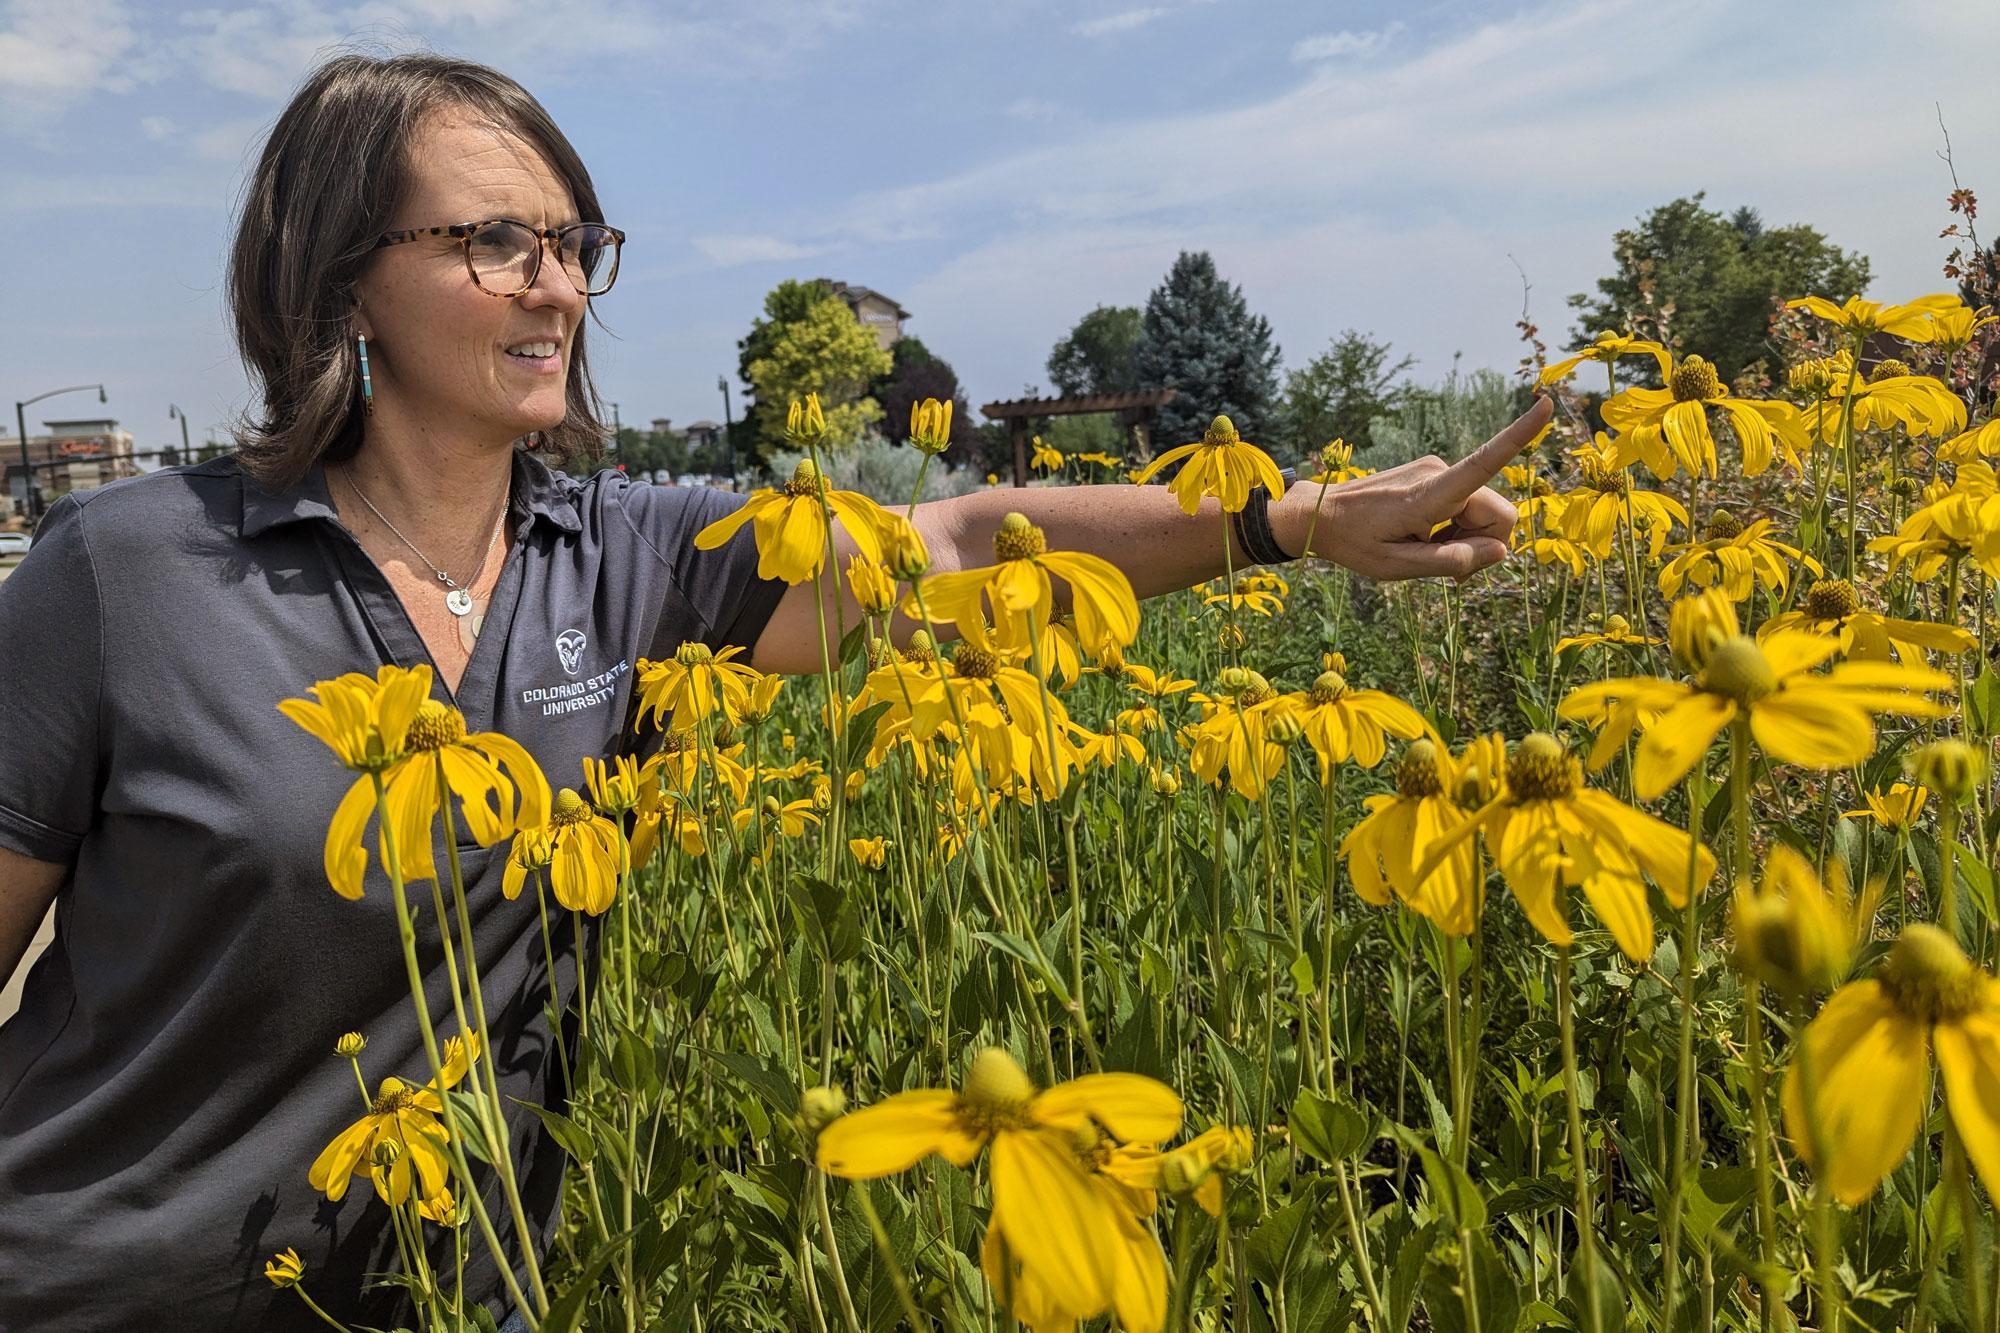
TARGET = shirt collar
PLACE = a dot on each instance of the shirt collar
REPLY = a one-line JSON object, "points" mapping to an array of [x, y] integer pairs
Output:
{"points": [[538, 493]]}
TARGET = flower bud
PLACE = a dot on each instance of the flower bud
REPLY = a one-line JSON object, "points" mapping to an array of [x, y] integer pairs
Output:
{"points": [[820, 1106], [1951, 768], [1698, 624], [930, 426], [805, 423], [350, 1045]]}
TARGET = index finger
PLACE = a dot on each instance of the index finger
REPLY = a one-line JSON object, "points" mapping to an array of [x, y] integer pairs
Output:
{"points": [[1462, 480]]}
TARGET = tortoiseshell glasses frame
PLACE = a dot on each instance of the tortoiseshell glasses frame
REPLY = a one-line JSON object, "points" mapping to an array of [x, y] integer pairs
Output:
{"points": [[512, 247]]}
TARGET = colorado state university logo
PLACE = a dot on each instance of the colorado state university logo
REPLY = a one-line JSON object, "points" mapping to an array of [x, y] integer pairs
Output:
{"points": [[569, 647]]}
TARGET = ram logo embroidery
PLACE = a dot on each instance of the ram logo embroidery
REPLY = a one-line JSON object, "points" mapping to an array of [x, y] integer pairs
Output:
{"points": [[569, 647]]}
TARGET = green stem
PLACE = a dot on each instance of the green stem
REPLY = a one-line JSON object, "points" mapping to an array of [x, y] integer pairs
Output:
{"points": [[1586, 1229]]}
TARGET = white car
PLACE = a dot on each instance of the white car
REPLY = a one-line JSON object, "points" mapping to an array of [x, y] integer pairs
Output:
{"points": [[14, 543]]}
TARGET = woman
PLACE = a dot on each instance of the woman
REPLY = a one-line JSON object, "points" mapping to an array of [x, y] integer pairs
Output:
{"points": [[167, 1081]]}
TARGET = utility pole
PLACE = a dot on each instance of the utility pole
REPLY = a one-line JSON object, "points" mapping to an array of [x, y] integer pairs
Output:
{"points": [[187, 453], [728, 427], [30, 493]]}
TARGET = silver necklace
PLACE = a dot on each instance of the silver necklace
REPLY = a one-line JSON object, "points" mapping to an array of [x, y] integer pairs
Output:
{"points": [[458, 598]]}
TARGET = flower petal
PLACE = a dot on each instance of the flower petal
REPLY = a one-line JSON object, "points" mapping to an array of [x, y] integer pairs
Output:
{"points": [[1131, 1107], [895, 1134], [1869, 1064]]}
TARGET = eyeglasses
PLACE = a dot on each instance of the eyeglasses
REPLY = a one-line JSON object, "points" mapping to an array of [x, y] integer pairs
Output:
{"points": [[504, 255]]}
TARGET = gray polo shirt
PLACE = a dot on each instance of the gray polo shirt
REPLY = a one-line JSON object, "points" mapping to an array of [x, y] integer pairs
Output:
{"points": [[169, 1077]]}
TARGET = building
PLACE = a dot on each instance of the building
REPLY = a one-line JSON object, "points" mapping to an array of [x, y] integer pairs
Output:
{"points": [[704, 434], [872, 308], [78, 455]]}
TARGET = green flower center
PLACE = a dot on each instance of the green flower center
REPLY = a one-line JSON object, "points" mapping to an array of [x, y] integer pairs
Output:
{"points": [[1329, 687], [1831, 599], [1694, 380], [1606, 478], [1417, 772], [1540, 769], [1018, 539], [435, 726], [1617, 627], [975, 663], [569, 809], [996, 1094], [1888, 368], [1737, 669], [1221, 431], [693, 654], [1929, 978], [1722, 526], [393, 1096]]}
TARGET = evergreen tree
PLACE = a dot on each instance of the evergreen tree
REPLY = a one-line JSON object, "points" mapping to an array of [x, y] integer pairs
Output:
{"points": [[1339, 393], [1199, 337]]}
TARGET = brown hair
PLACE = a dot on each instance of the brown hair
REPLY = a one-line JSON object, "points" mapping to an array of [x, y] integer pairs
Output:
{"points": [[330, 180]]}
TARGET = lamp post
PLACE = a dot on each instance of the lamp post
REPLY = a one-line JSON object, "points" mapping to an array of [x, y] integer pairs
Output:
{"points": [[728, 428], [187, 453], [30, 493]]}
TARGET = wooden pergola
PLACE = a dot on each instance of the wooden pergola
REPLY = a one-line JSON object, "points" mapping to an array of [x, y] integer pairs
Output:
{"points": [[1136, 410]]}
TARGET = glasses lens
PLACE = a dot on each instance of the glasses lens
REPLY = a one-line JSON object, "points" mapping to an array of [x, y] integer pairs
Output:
{"points": [[502, 255], [590, 257]]}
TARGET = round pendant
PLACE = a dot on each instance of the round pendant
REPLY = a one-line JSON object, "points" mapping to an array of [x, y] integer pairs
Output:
{"points": [[458, 601]]}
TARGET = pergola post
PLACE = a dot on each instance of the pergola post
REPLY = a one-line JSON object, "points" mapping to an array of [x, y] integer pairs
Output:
{"points": [[1135, 409], [1017, 432]]}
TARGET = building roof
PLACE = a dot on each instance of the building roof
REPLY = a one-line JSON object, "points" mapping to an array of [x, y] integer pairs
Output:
{"points": [[694, 426], [1089, 402], [852, 293]]}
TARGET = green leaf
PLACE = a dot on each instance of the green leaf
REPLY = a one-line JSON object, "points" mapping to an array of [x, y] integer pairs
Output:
{"points": [[574, 1138], [1278, 1241], [1457, 1198], [1982, 702], [1330, 1129], [565, 1314], [763, 1076]]}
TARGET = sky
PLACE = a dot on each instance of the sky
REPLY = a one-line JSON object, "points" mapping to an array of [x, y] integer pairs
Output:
{"points": [[999, 167]]}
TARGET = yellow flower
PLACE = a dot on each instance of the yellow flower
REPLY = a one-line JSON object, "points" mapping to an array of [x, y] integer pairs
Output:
{"points": [[1221, 463], [1796, 715], [1832, 608], [1053, 1219], [873, 586], [1606, 503], [1895, 809], [1342, 723], [1617, 632], [1668, 428], [869, 853], [1548, 832], [1914, 322], [762, 698], [1736, 558], [1605, 349], [499, 786], [930, 425], [580, 849], [1022, 597], [1553, 550], [692, 686], [1247, 596], [1104, 751], [792, 818], [1384, 850], [1869, 1051], [363, 721], [1099, 458], [790, 523], [618, 786], [1233, 737], [992, 479], [1336, 465], [406, 1117], [1061, 654], [1952, 330], [1795, 932], [285, 1269], [1045, 458], [1921, 405], [805, 423], [1194, 1169], [1955, 521]]}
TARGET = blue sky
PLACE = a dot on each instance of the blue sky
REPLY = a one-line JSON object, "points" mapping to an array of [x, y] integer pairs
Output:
{"points": [[1000, 167]]}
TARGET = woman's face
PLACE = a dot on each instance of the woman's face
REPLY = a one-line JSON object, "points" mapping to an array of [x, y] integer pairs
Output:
{"points": [[445, 356]]}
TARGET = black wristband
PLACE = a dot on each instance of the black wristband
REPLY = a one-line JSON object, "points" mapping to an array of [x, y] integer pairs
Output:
{"points": [[1253, 528]]}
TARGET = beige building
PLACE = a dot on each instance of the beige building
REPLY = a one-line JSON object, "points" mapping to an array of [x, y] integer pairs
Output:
{"points": [[78, 455], [872, 308]]}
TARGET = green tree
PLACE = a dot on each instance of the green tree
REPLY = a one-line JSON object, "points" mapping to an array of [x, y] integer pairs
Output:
{"points": [[1199, 337], [1340, 392], [784, 304], [825, 351], [1709, 285], [1096, 356], [914, 375]]}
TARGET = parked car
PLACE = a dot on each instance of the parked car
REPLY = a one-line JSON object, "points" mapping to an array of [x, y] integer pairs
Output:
{"points": [[13, 543]]}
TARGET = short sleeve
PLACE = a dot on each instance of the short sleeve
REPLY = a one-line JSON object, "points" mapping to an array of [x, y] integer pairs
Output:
{"points": [[52, 663], [730, 602]]}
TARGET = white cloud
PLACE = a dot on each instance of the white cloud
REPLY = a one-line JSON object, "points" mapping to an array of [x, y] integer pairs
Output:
{"points": [[725, 251], [1033, 108], [156, 128], [1332, 45], [1123, 21], [56, 53]]}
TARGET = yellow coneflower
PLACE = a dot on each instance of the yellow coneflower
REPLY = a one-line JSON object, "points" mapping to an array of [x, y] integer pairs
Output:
{"points": [[1548, 832], [407, 1116], [1668, 428], [1221, 463], [1233, 738], [580, 850], [791, 521], [693, 685], [1052, 1219], [1343, 723], [1606, 348], [1870, 1049], [1735, 557], [1045, 458], [874, 587], [1385, 849], [1894, 809], [1021, 595], [1617, 633], [869, 853], [1955, 520], [1832, 608], [1605, 503], [1336, 465], [930, 425], [1913, 322], [1795, 931]]}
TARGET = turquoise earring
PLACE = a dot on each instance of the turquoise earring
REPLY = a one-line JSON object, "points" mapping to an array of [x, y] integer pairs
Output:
{"points": [[367, 382]]}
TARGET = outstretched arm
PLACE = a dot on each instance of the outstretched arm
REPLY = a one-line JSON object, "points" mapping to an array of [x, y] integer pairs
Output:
{"points": [[1380, 526]]}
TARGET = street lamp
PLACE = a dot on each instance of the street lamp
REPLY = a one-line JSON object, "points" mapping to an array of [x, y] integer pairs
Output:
{"points": [[728, 428], [187, 455], [30, 495]]}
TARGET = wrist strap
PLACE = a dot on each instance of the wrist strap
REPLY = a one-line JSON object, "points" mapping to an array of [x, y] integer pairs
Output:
{"points": [[1253, 527]]}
